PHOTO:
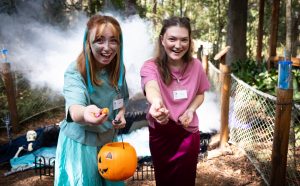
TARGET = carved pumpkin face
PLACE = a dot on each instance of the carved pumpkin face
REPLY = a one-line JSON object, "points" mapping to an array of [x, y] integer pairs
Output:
{"points": [[117, 161]]}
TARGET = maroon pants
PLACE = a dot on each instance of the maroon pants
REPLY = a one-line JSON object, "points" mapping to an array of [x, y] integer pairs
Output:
{"points": [[174, 154]]}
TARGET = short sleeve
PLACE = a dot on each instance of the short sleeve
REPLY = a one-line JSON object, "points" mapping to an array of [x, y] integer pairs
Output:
{"points": [[148, 72], [74, 90]]}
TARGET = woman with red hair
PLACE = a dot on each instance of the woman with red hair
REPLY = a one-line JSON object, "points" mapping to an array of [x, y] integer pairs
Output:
{"points": [[94, 82]]}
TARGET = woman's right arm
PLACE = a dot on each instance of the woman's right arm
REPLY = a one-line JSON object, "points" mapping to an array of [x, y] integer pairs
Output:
{"points": [[89, 115], [76, 98], [152, 92], [157, 109]]}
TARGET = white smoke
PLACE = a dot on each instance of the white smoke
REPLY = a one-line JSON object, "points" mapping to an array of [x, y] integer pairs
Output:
{"points": [[138, 47], [139, 140], [209, 113], [42, 51]]}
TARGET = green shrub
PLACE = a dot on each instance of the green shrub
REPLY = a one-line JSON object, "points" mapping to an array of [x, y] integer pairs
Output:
{"points": [[261, 79]]}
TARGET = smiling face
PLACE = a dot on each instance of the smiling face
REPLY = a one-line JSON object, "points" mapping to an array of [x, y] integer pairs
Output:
{"points": [[105, 45], [176, 43]]}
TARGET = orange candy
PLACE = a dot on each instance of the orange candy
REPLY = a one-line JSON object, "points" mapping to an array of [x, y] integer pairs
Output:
{"points": [[105, 111]]}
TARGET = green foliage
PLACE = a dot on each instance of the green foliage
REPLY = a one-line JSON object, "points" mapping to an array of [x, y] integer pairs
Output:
{"points": [[33, 101], [245, 70], [266, 81], [118, 4], [207, 17], [30, 101], [296, 84], [262, 79]]}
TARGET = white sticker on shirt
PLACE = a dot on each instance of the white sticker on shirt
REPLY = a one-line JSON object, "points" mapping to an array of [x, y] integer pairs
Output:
{"points": [[118, 103], [179, 94]]}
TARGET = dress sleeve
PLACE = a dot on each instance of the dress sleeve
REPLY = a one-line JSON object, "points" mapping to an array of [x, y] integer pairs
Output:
{"points": [[74, 90], [148, 72]]}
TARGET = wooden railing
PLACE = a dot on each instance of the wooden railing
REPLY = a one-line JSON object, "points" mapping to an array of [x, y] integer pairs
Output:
{"points": [[275, 59]]}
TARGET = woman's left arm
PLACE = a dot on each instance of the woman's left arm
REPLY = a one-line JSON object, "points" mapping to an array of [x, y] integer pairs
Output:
{"points": [[187, 117], [119, 121], [198, 100]]}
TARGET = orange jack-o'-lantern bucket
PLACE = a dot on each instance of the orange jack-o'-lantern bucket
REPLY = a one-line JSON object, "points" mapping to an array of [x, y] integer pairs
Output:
{"points": [[117, 161]]}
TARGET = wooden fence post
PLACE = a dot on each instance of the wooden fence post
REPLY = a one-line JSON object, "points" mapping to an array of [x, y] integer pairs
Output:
{"points": [[10, 93], [200, 52], [205, 64], [281, 136], [225, 95], [203, 58]]}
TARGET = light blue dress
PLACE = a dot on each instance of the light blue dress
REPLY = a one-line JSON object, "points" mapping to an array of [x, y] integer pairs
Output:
{"points": [[78, 145]]}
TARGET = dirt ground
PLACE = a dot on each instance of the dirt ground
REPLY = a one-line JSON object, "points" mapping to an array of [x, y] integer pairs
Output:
{"points": [[225, 167]]}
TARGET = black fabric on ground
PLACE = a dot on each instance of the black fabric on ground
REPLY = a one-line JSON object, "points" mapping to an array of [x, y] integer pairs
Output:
{"points": [[46, 137]]}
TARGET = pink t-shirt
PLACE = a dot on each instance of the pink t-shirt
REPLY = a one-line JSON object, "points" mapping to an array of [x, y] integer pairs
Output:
{"points": [[193, 80]]}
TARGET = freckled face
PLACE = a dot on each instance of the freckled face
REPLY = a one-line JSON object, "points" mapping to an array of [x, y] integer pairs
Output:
{"points": [[176, 42], [104, 48]]}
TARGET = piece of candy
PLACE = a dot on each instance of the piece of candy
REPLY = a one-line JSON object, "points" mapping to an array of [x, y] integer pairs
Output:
{"points": [[105, 111]]}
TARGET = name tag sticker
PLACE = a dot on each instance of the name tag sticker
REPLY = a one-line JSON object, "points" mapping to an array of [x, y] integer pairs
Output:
{"points": [[179, 94], [118, 103]]}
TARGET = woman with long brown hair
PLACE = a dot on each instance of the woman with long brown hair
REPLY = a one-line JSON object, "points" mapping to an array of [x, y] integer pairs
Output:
{"points": [[174, 83]]}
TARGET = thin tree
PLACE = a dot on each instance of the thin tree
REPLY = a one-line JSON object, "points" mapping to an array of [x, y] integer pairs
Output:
{"points": [[295, 33], [274, 30], [236, 30], [260, 31], [181, 8], [130, 7], [288, 38]]}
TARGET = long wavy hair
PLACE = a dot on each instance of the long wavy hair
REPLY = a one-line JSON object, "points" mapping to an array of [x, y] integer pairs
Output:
{"points": [[113, 68], [161, 57]]}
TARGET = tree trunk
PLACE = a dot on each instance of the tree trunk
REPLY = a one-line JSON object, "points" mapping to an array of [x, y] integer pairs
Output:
{"points": [[130, 7], [90, 7], [219, 36], [260, 31], [295, 34], [181, 8], [288, 16], [274, 27], [236, 30], [154, 9]]}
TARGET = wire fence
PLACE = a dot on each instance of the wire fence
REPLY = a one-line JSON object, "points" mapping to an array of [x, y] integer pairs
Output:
{"points": [[252, 123]]}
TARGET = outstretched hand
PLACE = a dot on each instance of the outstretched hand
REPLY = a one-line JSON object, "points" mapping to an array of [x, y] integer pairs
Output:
{"points": [[186, 118], [94, 115], [159, 112]]}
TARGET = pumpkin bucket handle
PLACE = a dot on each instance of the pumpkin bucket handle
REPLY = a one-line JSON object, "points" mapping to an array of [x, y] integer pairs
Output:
{"points": [[115, 135]]}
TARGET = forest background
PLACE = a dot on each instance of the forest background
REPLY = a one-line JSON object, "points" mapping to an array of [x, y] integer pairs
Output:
{"points": [[215, 24]]}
